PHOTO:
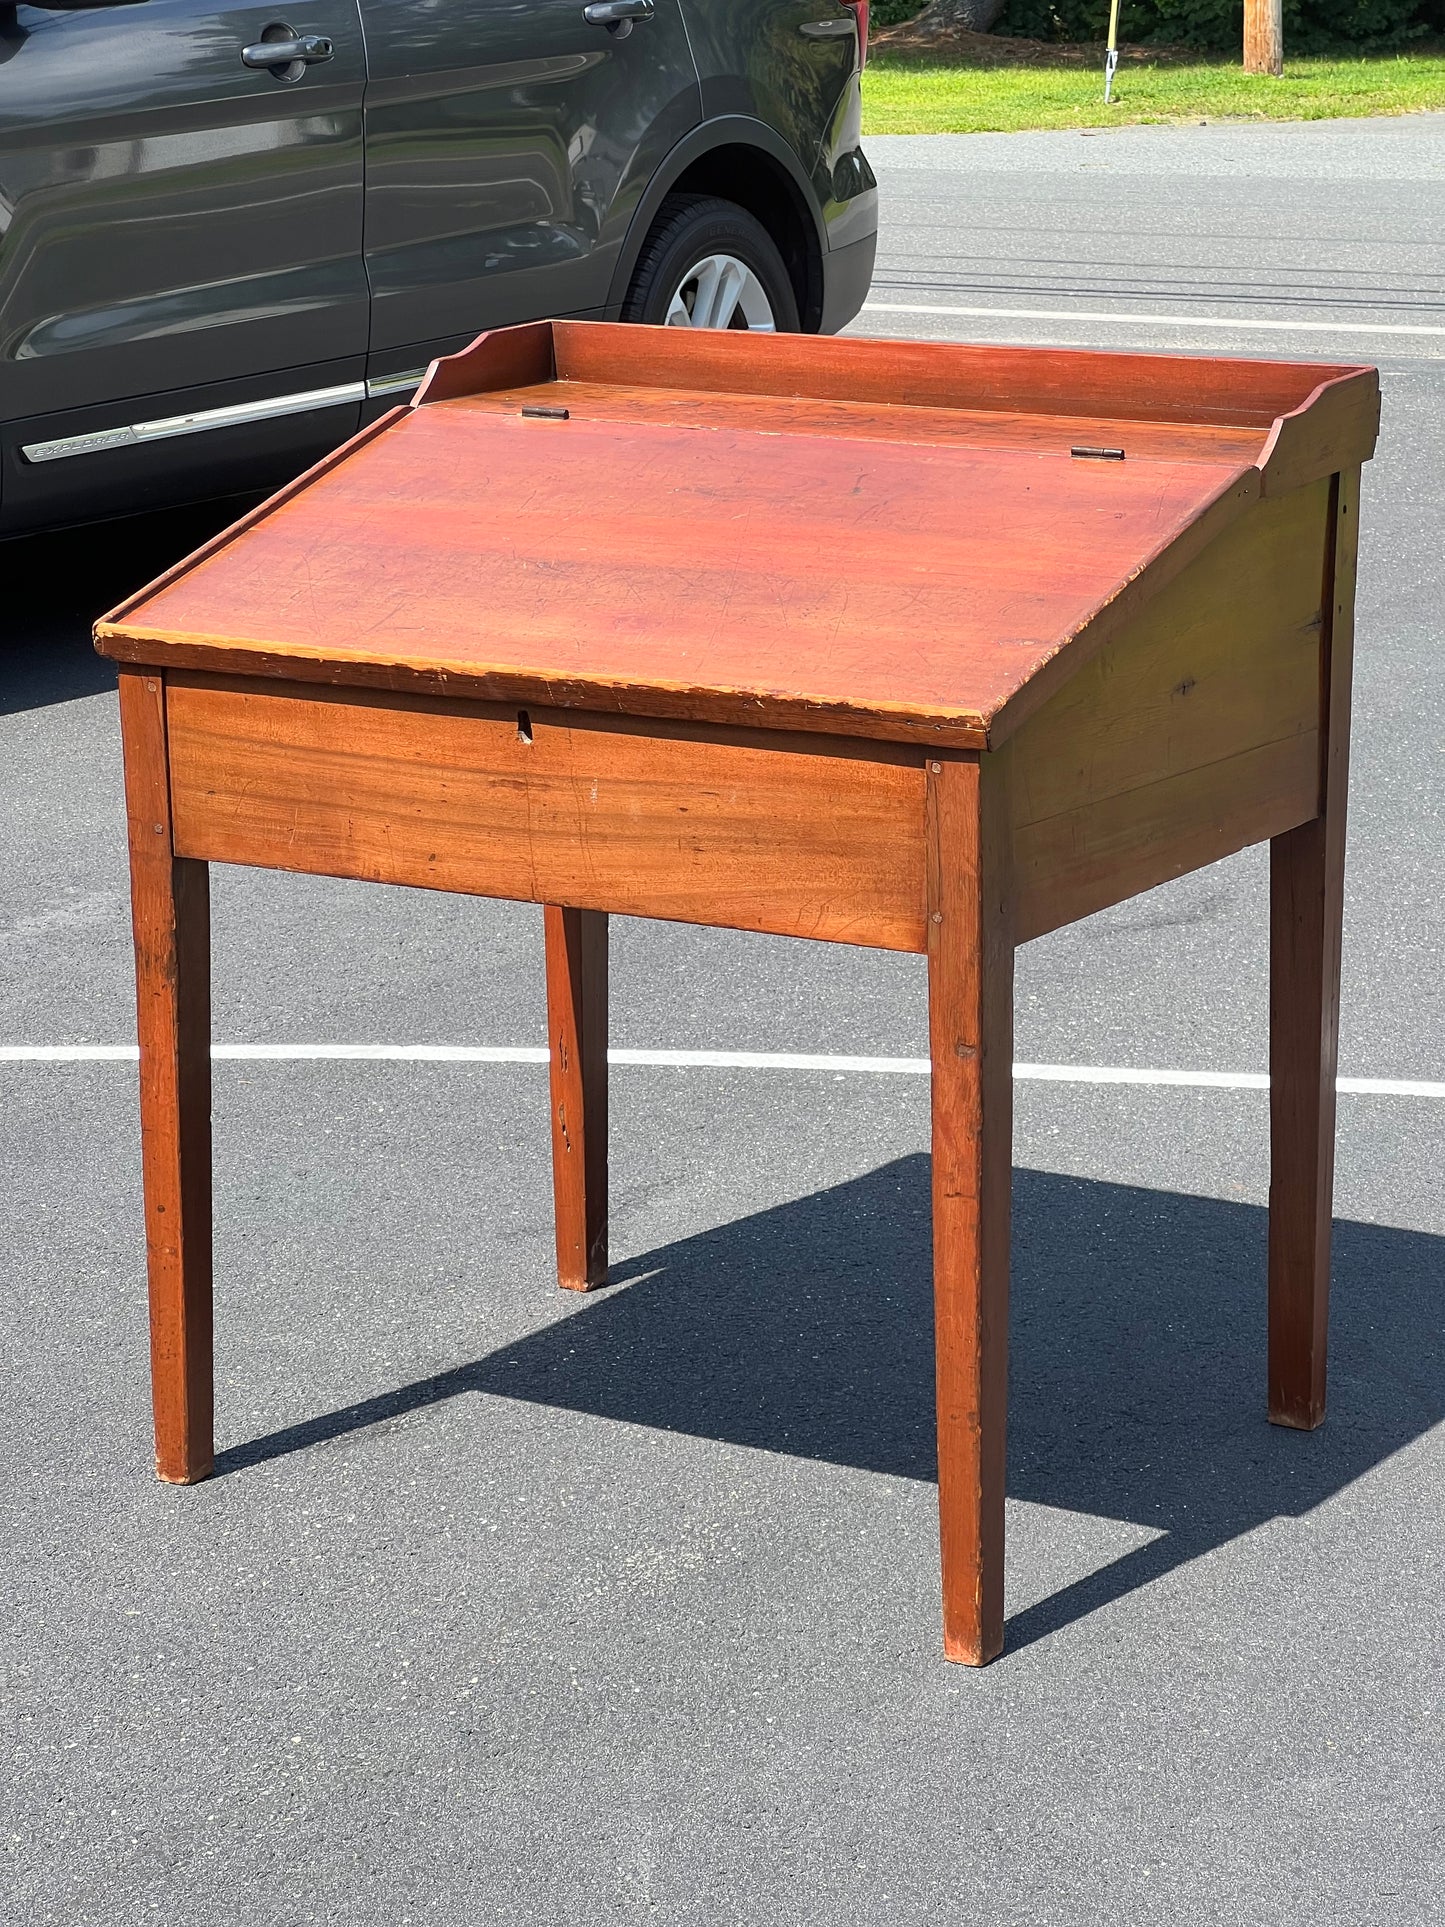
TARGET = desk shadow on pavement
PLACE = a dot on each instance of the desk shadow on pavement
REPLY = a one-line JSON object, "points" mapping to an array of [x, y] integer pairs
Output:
{"points": [[56, 585], [1137, 1339]]}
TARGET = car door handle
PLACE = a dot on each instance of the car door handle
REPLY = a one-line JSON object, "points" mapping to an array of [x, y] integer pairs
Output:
{"points": [[306, 47], [618, 16]]}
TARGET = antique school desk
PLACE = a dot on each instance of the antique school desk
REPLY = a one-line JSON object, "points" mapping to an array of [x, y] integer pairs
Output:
{"points": [[924, 647]]}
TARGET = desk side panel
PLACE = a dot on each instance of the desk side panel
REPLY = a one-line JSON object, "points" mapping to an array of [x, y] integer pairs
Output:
{"points": [[1193, 734], [745, 830]]}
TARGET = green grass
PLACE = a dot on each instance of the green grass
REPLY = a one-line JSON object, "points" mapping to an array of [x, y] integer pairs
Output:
{"points": [[913, 95]]}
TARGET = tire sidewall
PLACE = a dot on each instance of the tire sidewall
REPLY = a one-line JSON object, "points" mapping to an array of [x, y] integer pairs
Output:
{"points": [[687, 234]]}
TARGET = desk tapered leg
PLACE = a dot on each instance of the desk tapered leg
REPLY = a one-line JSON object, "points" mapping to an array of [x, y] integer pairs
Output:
{"points": [[577, 1031], [170, 907], [970, 994], [1307, 884]]}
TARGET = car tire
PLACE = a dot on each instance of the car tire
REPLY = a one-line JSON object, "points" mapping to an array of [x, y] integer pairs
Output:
{"points": [[708, 256]]}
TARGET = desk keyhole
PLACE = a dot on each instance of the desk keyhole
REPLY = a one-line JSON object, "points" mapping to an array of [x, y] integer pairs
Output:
{"points": [[524, 727]]}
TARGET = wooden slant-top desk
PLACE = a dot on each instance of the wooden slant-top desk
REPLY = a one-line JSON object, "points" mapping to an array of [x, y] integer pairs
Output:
{"points": [[923, 647]]}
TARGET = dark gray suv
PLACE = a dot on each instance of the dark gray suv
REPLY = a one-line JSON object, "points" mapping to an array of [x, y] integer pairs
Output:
{"points": [[230, 235]]}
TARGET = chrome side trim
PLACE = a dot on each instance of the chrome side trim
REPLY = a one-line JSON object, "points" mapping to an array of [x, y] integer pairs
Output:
{"points": [[198, 424], [380, 385]]}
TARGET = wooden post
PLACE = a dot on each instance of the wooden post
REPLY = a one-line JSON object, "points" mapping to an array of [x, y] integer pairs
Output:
{"points": [[577, 1031], [170, 909], [1264, 37], [970, 1001], [1307, 884]]}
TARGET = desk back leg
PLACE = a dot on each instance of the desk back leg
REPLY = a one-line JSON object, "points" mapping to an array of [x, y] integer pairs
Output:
{"points": [[577, 1033], [170, 910], [1307, 888], [970, 997]]}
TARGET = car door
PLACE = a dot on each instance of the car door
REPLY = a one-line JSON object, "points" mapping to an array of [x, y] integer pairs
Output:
{"points": [[507, 145], [180, 237]]}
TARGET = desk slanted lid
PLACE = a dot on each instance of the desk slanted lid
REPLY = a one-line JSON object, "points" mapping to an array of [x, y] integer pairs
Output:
{"points": [[883, 539]]}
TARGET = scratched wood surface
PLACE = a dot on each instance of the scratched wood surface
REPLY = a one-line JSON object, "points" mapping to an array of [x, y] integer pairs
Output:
{"points": [[797, 573], [1041, 431], [883, 539]]}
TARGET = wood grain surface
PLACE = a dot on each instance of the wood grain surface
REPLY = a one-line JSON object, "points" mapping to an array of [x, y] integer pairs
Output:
{"points": [[857, 537], [1192, 733], [873, 421], [970, 1019], [794, 581], [170, 914], [576, 942], [1335, 427], [1315, 416], [832, 639], [1130, 387], [1307, 888], [754, 832]]}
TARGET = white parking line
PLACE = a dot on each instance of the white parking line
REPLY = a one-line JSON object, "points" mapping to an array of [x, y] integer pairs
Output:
{"points": [[734, 1060], [1241, 324]]}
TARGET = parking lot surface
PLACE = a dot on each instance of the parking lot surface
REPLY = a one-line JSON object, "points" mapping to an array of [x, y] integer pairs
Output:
{"points": [[510, 1607]]}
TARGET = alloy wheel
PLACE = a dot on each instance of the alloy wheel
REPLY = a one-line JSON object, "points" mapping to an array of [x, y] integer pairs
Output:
{"points": [[721, 292]]}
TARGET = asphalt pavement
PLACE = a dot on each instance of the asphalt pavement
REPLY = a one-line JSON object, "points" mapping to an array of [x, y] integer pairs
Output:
{"points": [[516, 1608]]}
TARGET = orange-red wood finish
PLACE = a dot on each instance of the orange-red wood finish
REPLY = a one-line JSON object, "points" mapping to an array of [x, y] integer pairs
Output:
{"points": [[981, 564], [970, 1024], [836, 639], [751, 829], [942, 579], [577, 1034], [1307, 891], [170, 908]]}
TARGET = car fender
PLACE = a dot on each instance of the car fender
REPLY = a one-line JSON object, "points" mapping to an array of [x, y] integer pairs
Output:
{"points": [[730, 130]]}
